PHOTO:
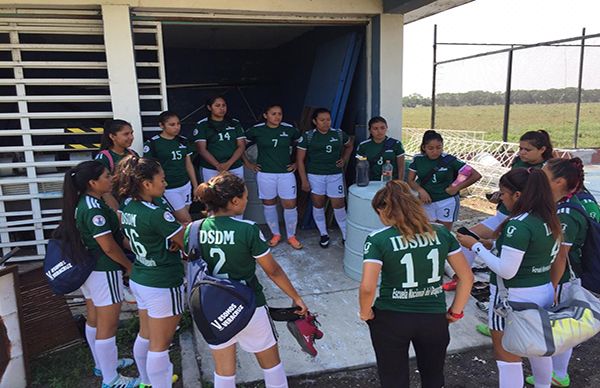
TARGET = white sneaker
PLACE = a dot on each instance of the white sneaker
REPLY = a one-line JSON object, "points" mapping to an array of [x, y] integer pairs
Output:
{"points": [[122, 382]]}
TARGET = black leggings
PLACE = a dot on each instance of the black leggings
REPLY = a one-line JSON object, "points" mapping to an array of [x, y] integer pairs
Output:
{"points": [[391, 335]]}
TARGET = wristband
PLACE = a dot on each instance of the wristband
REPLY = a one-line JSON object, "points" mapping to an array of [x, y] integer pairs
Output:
{"points": [[456, 316]]}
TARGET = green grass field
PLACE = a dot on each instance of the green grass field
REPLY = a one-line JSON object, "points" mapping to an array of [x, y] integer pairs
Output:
{"points": [[557, 119]]}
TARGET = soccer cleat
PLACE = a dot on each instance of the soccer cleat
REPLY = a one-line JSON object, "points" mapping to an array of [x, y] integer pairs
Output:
{"points": [[451, 285], [556, 381], [174, 379], [483, 329], [274, 240], [121, 364], [324, 243], [121, 381], [305, 331], [293, 241]]}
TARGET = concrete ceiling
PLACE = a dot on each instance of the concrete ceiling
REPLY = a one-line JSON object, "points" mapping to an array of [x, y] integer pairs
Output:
{"points": [[414, 10]]}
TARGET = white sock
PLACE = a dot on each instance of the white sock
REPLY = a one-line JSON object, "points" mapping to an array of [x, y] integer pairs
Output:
{"points": [[340, 217], [224, 381], [319, 217], [541, 367], [560, 363], [272, 218], [275, 377], [510, 374], [140, 355], [106, 351], [159, 369], [90, 336], [290, 216], [469, 255]]}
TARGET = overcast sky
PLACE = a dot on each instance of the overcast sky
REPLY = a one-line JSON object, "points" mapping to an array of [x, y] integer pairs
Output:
{"points": [[503, 21]]}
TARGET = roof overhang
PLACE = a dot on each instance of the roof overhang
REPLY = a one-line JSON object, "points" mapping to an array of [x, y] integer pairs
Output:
{"points": [[414, 10]]}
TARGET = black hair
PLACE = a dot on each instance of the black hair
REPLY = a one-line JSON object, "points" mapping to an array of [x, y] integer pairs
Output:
{"points": [[75, 184], [318, 111], [273, 105], [536, 196], [163, 117], [133, 171], [111, 127], [569, 169], [377, 119], [539, 139], [227, 120], [428, 136], [220, 189]]}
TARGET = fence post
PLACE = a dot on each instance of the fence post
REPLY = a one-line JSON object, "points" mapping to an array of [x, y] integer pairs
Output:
{"points": [[434, 74], [507, 96], [578, 107]]}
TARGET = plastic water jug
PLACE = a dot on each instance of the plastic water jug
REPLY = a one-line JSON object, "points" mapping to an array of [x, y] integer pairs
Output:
{"points": [[362, 171]]}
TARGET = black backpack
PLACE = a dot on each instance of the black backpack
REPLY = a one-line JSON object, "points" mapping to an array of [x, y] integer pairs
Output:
{"points": [[590, 258], [220, 307]]}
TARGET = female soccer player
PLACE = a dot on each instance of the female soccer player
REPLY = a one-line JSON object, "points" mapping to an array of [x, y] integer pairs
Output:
{"points": [[566, 179], [410, 253], [275, 172], [326, 151], [171, 151], [156, 238], [116, 140], [380, 149], [431, 174], [528, 244], [226, 196], [88, 223], [220, 141]]}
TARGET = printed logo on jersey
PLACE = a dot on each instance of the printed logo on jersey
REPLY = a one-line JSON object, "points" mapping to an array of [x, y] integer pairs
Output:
{"points": [[182, 146], [300, 139], [228, 128], [283, 134], [195, 132], [333, 140], [146, 149], [367, 247], [564, 227], [168, 217], [510, 231], [99, 220], [261, 235]]}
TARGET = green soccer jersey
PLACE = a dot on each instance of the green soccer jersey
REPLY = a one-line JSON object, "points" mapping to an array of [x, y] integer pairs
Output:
{"points": [[230, 247], [377, 155], [532, 236], [116, 158], [221, 139], [592, 208], [574, 226], [440, 180], [517, 163], [171, 154], [412, 270], [274, 146], [323, 150], [149, 228], [94, 219]]}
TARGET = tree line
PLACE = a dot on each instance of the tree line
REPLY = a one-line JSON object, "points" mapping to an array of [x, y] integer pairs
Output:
{"points": [[480, 97]]}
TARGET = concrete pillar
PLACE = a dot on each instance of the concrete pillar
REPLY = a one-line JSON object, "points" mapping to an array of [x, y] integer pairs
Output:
{"points": [[118, 40], [386, 70]]}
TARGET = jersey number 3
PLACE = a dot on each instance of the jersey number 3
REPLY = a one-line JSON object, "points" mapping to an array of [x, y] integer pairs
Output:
{"points": [[407, 260]]}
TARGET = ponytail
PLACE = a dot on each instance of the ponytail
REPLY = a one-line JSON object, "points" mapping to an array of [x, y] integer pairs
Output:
{"points": [[569, 169], [219, 190], [133, 172], [75, 185]]}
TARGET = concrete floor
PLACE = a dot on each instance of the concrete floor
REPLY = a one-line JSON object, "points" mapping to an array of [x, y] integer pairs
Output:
{"points": [[319, 277]]}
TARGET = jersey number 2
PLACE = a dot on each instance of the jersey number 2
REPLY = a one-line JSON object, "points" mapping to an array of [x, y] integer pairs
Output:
{"points": [[407, 260]]}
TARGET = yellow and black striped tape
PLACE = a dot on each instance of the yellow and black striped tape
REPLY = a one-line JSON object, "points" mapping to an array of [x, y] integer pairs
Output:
{"points": [[84, 130], [93, 146]]}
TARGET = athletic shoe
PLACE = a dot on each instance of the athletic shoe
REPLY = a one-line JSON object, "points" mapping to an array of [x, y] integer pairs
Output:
{"points": [[293, 241], [305, 331], [173, 380], [121, 381], [556, 382], [128, 295], [483, 329], [324, 243], [121, 364], [451, 285], [274, 240]]}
